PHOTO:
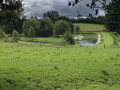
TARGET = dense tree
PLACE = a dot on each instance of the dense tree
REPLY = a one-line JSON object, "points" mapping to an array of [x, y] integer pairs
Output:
{"points": [[34, 23], [61, 27], [46, 27], [10, 12], [8, 28], [19, 24], [113, 16], [53, 15]]}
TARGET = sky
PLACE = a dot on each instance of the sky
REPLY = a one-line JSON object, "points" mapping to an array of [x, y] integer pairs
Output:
{"points": [[38, 7]]}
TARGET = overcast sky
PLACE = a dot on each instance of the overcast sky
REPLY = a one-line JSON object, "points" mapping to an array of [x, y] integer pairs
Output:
{"points": [[38, 7]]}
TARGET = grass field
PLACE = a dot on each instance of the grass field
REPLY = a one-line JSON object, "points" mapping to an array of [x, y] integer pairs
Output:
{"points": [[44, 39], [38, 66], [33, 66], [91, 27]]}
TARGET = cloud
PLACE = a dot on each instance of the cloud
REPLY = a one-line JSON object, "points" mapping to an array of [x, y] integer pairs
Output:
{"points": [[38, 7]]}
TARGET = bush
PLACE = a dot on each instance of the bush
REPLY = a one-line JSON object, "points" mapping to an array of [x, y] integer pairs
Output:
{"points": [[2, 34], [77, 29], [61, 27], [69, 38], [15, 36]]}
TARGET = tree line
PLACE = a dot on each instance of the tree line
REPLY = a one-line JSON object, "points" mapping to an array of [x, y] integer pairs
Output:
{"points": [[11, 11], [45, 28]]}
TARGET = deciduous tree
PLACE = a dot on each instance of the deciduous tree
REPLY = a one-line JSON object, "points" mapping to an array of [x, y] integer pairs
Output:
{"points": [[61, 27], [10, 12], [46, 27]]}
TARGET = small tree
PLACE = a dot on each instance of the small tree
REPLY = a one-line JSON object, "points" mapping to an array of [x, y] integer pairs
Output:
{"points": [[77, 29], [2, 34], [31, 32], [69, 38], [15, 36]]}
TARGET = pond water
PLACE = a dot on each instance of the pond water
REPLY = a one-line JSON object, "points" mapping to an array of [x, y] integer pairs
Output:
{"points": [[87, 39]]}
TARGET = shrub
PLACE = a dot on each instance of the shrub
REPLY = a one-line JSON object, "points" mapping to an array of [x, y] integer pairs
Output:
{"points": [[77, 29], [2, 34], [15, 36], [69, 38], [61, 27]]}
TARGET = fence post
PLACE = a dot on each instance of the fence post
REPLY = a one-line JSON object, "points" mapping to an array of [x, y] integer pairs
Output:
{"points": [[104, 45]]}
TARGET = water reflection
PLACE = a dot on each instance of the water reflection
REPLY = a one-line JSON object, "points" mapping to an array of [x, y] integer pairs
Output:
{"points": [[89, 39]]}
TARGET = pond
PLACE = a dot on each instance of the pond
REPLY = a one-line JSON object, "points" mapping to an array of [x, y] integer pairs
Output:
{"points": [[86, 39]]}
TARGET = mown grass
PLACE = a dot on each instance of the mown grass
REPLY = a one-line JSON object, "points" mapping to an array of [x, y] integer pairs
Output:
{"points": [[27, 66], [91, 27]]}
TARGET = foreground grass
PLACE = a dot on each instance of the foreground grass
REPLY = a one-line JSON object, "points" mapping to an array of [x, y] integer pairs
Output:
{"points": [[37, 66], [27, 66], [90, 27]]}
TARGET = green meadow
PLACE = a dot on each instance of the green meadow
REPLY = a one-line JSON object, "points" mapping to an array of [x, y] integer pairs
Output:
{"points": [[43, 66], [91, 27]]}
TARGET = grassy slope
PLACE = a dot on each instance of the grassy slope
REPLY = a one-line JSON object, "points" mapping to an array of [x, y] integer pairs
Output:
{"points": [[106, 39], [91, 27], [42, 67]]}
